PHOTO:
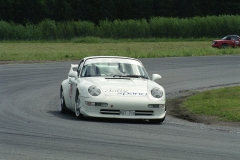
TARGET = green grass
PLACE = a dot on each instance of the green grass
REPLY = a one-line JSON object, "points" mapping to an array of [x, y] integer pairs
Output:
{"points": [[223, 103], [92, 46]]}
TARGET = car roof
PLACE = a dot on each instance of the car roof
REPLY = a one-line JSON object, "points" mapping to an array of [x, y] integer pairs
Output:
{"points": [[232, 36], [93, 57]]}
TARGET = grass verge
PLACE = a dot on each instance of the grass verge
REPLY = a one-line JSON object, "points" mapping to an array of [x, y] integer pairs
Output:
{"points": [[54, 51], [222, 103]]}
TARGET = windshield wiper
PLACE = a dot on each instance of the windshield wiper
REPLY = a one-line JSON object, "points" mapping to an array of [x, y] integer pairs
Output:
{"points": [[131, 75], [117, 75]]}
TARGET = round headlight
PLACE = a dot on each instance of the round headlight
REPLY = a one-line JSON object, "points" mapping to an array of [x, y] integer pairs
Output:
{"points": [[94, 91], [157, 93]]}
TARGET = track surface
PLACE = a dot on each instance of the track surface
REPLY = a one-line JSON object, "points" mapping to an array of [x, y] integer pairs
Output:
{"points": [[31, 126]]}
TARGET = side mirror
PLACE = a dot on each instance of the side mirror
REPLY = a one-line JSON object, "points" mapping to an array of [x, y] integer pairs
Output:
{"points": [[72, 74], [156, 77]]}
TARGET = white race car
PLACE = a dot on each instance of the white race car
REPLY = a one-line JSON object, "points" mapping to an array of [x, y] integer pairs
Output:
{"points": [[112, 87]]}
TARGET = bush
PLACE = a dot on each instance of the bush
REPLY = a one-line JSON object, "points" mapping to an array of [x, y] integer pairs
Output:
{"points": [[156, 27], [47, 29]]}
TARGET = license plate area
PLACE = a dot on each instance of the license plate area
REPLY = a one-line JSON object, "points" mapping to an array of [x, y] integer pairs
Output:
{"points": [[127, 113]]}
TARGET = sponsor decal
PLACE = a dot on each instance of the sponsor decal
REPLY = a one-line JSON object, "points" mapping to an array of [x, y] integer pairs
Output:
{"points": [[115, 90], [132, 93], [126, 92]]}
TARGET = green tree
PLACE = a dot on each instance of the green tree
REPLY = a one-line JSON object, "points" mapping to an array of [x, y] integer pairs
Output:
{"points": [[134, 9], [63, 10]]}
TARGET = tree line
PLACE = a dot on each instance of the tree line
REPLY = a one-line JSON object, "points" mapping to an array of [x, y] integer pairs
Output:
{"points": [[156, 27], [35, 11]]}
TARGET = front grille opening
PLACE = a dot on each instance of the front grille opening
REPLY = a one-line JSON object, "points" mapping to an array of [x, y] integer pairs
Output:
{"points": [[110, 111], [143, 113], [117, 112]]}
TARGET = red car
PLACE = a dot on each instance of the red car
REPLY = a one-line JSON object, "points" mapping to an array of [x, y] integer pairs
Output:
{"points": [[227, 41]]}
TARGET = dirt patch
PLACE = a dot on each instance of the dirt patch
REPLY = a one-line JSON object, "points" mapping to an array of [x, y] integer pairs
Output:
{"points": [[24, 62], [174, 109], [5, 62]]}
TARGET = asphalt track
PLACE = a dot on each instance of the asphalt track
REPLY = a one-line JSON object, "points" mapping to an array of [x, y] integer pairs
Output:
{"points": [[31, 126]]}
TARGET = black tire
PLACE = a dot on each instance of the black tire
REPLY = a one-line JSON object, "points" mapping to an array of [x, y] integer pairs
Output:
{"points": [[63, 108], [77, 107], [224, 46]]}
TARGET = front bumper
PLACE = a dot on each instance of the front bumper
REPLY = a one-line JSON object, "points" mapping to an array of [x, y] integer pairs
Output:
{"points": [[215, 46], [125, 108]]}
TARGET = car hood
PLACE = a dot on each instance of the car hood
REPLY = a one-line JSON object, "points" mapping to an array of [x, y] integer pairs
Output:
{"points": [[123, 86]]}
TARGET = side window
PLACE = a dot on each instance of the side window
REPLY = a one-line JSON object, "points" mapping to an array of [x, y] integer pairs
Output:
{"points": [[80, 67]]}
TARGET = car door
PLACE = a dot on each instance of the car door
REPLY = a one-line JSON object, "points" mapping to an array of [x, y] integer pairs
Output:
{"points": [[234, 42], [74, 81]]}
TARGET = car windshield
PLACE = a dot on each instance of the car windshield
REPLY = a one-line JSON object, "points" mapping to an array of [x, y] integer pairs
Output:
{"points": [[226, 38], [114, 68]]}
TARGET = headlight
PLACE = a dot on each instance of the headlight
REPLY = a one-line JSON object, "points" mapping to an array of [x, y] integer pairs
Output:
{"points": [[94, 91], [157, 93]]}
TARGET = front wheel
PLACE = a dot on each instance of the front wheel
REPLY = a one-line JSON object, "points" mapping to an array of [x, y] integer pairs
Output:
{"points": [[63, 108], [224, 46], [77, 107]]}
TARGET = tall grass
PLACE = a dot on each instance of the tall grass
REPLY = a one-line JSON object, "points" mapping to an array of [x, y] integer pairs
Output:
{"points": [[156, 27], [54, 50]]}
